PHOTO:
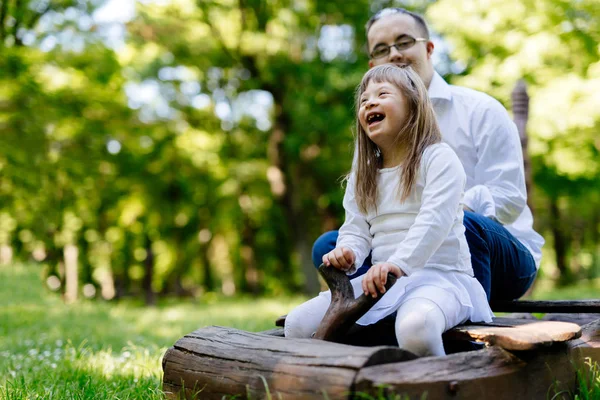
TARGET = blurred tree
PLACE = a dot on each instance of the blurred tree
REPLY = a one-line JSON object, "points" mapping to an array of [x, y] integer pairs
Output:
{"points": [[553, 45]]}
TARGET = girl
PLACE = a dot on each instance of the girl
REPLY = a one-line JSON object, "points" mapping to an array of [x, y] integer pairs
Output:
{"points": [[403, 204]]}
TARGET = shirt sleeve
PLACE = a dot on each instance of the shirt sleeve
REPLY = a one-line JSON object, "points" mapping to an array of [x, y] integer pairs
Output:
{"points": [[445, 181], [355, 233], [499, 188]]}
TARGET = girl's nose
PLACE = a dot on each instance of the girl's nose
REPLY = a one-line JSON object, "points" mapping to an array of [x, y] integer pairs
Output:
{"points": [[370, 103]]}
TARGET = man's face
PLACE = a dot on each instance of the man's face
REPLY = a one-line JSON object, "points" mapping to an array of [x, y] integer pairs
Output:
{"points": [[397, 28]]}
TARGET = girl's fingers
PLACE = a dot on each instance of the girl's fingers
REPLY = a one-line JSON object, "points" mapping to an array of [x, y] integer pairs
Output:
{"points": [[371, 290], [348, 256], [364, 285], [339, 259], [383, 271], [325, 259]]}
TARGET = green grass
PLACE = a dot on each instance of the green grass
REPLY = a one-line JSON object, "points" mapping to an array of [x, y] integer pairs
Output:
{"points": [[545, 290], [100, 350]]}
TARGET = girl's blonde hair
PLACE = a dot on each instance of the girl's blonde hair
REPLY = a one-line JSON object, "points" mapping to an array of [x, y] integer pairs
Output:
{"points": [[421, 130]]}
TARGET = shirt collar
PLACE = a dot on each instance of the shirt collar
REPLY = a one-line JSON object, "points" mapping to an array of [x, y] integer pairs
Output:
{"points": [[438, 88]]}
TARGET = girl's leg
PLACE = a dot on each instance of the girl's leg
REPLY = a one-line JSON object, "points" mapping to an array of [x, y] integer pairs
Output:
{"points": [[419, 327], [304, 320]]}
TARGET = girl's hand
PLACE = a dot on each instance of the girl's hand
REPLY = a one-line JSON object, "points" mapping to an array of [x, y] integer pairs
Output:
{"points": [[376, 278], [341, 258]]}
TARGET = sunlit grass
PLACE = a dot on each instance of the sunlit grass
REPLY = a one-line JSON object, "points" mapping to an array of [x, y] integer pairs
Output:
{"points": [[547, 290], [100, 350]]}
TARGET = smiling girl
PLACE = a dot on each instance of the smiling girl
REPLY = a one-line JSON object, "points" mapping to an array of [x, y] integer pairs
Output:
{"points": [[403, 203]]}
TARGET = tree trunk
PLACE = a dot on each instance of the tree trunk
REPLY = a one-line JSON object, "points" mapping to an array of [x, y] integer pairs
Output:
{"points": [[71, 254], [3, 14], [283, 184], [520, 105], [6, 254], [121, 272], [595, 269], [208, 279], [560, 243], [149, 294]]}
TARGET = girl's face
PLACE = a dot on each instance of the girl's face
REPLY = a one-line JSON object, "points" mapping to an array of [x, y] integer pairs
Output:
{"points": [[383, 112]]}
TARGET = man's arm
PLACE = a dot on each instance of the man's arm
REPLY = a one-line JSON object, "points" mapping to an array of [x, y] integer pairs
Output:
{"points": [[499, 189]]}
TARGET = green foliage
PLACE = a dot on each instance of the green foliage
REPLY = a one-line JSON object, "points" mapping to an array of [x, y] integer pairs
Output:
{"points": [[205, 153], [588, 378]]}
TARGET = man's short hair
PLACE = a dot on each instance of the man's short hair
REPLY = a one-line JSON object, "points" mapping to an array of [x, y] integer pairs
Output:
{"points": [[397, 10]]}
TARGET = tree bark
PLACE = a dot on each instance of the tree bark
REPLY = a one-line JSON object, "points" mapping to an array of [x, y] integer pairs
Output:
{"points": [[560, 243], [289, 200], [520, 105], [216, 362], [71, 254], [19, 15], [3, 14], [224, 362], [149, 294]]}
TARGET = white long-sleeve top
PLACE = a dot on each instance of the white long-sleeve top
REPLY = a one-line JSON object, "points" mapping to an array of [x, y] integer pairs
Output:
{"points": [[425, 230], [479, 130]]}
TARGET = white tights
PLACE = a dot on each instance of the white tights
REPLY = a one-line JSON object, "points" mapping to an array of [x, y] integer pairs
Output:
{"points": [[419, 324]]}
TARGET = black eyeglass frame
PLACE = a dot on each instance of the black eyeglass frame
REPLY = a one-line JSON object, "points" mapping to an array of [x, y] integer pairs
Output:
{"points": [[383, 50]]}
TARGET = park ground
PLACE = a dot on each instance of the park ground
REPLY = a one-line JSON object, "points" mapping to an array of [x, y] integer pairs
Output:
{"points": [[103, 350]]}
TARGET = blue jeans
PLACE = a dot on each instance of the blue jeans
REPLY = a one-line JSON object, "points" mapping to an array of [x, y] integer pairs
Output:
{"points": [[503, 266]]}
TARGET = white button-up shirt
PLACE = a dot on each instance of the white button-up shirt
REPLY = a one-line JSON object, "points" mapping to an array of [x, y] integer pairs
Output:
{"points": [[480, 131]]}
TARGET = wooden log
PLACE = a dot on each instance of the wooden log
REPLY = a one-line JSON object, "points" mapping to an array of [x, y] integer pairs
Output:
{"points": [[214, 362], [588, 345], [344, 309], [550, 306], [527, 336], [489, 373]]}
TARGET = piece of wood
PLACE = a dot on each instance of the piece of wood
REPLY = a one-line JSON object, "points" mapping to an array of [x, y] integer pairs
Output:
{"points": [[214, 362], [527, 336], [548, 306], [491, 373], [588, 345], [344, 309]]}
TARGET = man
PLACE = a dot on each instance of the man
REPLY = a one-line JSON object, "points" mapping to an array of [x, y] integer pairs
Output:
{"points": [[505, 250]]}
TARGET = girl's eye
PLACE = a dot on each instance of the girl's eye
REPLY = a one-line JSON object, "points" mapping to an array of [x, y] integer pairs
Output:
{"points": [[382, 93]]}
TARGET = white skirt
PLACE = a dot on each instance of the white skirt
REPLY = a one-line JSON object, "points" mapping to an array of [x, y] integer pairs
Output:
{"points": [[460, 296]]}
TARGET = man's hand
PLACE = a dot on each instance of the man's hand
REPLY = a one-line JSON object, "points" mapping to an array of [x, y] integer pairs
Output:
{"points": [[341, 258], [376, 278]]}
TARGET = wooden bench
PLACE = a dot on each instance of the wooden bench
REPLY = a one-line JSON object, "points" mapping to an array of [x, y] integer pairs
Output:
{"points": [[510, 358], [519, 359]]}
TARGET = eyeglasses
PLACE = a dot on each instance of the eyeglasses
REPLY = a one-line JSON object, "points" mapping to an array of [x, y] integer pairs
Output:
{"points": [[404, 43]]}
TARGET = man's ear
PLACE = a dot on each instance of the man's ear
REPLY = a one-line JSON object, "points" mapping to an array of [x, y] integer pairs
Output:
{"points": [[430, 47]]}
